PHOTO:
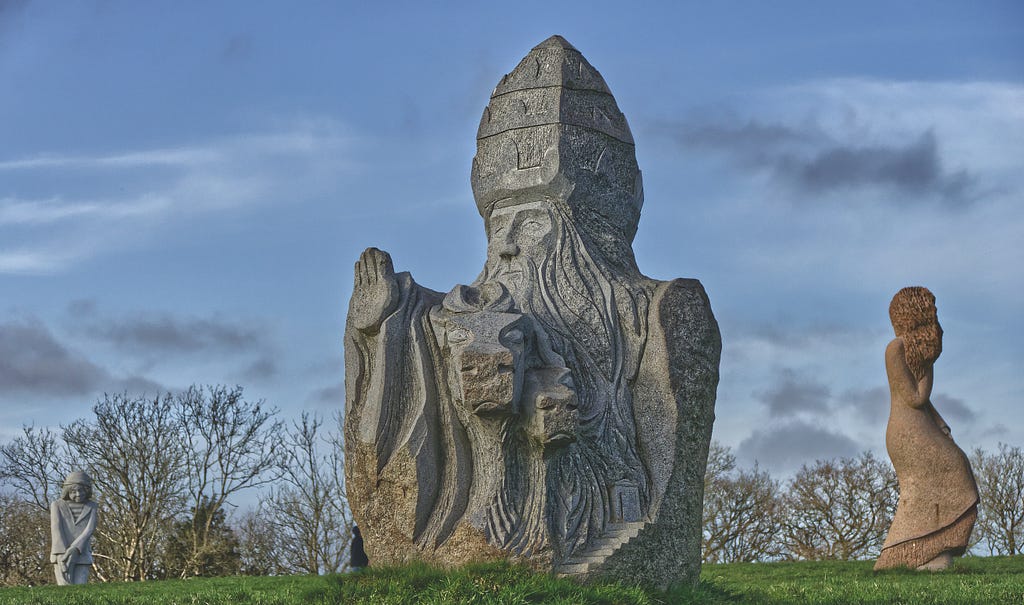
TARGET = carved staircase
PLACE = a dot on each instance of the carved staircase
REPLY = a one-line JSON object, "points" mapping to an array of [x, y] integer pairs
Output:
{"points": [[591, 559]]}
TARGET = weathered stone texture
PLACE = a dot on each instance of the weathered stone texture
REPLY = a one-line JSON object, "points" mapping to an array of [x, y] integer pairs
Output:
{"points": [[938, 495], [557, 410]]}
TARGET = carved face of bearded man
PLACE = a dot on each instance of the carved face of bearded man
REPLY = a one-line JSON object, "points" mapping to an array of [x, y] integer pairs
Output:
{"points": [[519, 239]]}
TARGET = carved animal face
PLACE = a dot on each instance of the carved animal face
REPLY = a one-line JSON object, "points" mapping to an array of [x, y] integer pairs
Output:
{"points": [[487, 352], [550, 407]]}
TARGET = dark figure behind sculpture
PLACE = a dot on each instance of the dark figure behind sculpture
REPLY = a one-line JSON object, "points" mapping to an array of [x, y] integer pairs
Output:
{"points": [[357, 558], [938, 502]]}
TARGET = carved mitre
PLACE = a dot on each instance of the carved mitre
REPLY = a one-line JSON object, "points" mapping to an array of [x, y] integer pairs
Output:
{"points": [[553, 131]]}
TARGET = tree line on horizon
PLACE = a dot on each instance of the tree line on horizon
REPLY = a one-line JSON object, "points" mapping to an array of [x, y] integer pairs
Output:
{"points": [[168, 470], [841, 509]]}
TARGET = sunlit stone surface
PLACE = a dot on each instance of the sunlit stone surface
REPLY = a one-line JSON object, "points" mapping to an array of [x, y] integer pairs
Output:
{"points": [[558, 409]]}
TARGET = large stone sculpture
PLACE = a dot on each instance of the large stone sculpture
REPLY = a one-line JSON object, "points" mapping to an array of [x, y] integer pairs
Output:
{"points": [[72, 523], [938, 496], [558, 410]]}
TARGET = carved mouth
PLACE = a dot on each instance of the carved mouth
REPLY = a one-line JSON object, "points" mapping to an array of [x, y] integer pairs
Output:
{"points": [[507, 272], [559, 438], [487, 407]]}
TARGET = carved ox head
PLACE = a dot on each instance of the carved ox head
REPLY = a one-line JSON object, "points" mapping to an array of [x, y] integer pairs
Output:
{"points": [[487, 350]]}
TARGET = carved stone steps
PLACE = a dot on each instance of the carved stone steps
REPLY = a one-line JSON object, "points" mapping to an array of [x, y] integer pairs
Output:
{"points": [[615, 536], [572, 570]]}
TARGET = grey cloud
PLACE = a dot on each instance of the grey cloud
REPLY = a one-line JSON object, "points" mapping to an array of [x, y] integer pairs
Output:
{"points": [[814, 163], [10, 10], [82, 308], [332, 395], [140, 385], [10, 16], [871, 404], [261, 369], [953, 408], [797, 336], [913, 168], [238, 48], [996, 430], [334, 365], [794, 393], [33, 361], [165, 333], [750, 138], [788, 446]]}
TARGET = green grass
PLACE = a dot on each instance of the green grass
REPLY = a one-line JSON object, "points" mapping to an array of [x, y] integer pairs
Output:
{"points": [[972, 580], [996, 580]]}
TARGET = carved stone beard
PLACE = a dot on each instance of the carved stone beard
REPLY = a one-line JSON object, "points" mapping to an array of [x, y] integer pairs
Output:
{"points": [[597, 323]]}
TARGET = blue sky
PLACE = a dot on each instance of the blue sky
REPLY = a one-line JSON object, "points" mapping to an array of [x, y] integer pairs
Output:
{"points": [[185, 186]]}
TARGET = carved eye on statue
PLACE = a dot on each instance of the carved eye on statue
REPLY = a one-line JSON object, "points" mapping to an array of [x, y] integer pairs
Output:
{"points": [[533, 228], [458, 335], [514, 336], [470, 370]]}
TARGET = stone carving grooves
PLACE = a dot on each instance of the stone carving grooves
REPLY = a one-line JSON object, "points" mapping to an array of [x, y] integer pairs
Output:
{"points": [[557, 410]]}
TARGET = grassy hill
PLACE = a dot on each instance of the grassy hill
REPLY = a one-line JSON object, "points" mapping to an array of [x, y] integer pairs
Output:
{"points": [[974, 580]]}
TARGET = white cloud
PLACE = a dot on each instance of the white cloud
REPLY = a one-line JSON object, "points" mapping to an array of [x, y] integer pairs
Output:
{"points": [[14, 211], [89, 197], [182, 157], [42, 260]]}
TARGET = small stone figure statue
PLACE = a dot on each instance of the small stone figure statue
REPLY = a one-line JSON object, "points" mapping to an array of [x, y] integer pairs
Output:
{"points": [[938, 502], [72, 522]]}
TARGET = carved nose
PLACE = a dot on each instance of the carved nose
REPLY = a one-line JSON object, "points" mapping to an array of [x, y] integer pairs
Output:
{"points": [[508, 250]]}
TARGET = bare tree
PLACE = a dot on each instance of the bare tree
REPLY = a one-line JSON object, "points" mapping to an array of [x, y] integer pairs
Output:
{"points": [[134, 452], [219, 556], [721, 462], [24, 543], [742, 520], [839, 509], [260, 547], [309, 513], [34, 465], [230, 445], [1001, 489]]}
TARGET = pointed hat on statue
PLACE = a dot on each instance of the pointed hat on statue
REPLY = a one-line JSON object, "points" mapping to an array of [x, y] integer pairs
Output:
{"points": [[552, 131]]}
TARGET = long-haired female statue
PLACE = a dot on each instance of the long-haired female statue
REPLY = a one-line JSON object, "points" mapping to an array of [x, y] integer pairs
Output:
{"points": [[938, 496]]}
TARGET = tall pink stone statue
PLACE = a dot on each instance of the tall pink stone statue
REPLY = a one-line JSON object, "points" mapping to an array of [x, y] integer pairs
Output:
{"points": [[938, 496]]}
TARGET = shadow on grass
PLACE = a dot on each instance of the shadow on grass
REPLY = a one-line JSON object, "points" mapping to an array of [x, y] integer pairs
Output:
{"points": [[704, 592], [505, 584]]}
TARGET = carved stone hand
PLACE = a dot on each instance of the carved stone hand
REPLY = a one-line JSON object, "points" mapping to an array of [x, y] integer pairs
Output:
{"points": [[375, 294]]}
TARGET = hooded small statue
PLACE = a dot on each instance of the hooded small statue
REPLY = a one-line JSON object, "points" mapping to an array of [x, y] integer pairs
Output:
{"points": [[72, 523]]}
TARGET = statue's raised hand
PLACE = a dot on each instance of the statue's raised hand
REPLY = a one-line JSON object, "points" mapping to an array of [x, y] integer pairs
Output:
{"points": [[375, 295]]}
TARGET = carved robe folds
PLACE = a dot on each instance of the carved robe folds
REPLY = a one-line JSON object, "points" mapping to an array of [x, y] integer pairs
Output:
{"points": [[557, 410]]}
